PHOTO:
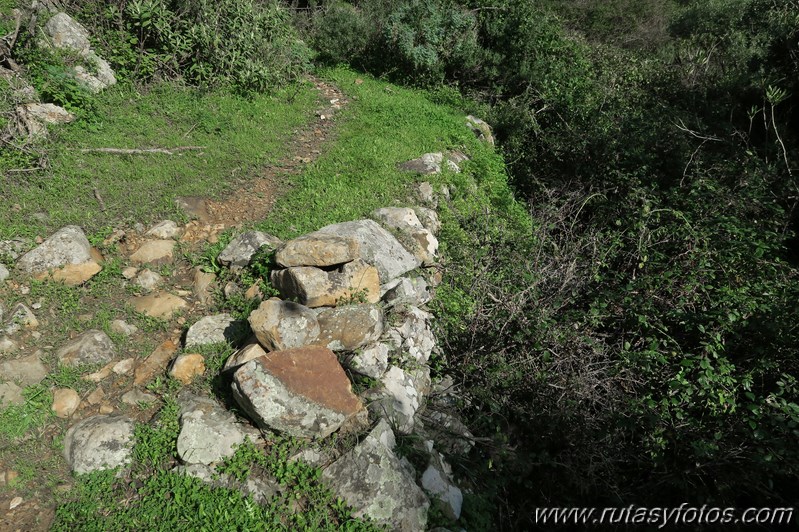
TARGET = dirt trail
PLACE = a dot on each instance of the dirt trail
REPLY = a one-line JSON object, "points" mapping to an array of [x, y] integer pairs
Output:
{"points": [[249, 201], [252, 200]]}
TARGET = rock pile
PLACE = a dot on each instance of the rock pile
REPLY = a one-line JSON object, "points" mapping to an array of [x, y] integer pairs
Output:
{"points": [[352, 302]]}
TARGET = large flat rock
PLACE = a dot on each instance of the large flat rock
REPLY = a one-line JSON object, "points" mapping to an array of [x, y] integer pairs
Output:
{"points": [[303, 392], [372, 480], [99, 442], [317, 249], [378, 247]]}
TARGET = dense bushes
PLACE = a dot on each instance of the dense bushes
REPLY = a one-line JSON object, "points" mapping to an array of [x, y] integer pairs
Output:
{"points": [[248, 44], [634, 340]]}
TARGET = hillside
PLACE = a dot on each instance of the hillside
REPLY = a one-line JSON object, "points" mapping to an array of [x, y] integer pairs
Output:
{"points": [[589, 302]]}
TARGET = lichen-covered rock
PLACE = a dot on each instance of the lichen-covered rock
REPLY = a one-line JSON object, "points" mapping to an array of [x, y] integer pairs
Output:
{"points": [[405, 291], [303, 392], [244, 355], [216, 329], [415, 237], [99, 442], [282, 325], [430, 163], [313, 287], [401, 397], [371, 361], [378, 247], [350, 327], [208, 432], [239, 252], [412, 338], [481, 129], [437, 481], [317, 249], [429, 219], [148, 280], [371, 479], [68, 249], [91, 347]]}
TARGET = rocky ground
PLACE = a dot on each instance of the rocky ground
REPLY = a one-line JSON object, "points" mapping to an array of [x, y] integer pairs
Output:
{"points": [[105, 327]]}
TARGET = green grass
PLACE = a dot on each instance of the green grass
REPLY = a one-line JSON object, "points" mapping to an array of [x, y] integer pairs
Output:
{"points": [[382, 126], [239, 135], [17, 420], [156, 499]]}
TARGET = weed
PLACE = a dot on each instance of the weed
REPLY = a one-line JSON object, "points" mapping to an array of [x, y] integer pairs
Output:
{"points": [[17, 420]]}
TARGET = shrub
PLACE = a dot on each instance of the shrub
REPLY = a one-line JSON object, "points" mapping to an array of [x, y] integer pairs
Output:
{"points": [[250, 45]]}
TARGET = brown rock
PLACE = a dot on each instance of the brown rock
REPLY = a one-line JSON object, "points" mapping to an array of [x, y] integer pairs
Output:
{"points": [[154, 252], [72, 274], [96, 396], [160, 305], [106, 408], [317, 249], [204, 286], [187, 366], [155, 363], [302, 391], [355, 281], [101, 373], [65, 402]]}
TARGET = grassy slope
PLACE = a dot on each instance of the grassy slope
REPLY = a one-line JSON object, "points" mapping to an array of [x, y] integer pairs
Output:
{"points": [[384, 125], [238, 134]]}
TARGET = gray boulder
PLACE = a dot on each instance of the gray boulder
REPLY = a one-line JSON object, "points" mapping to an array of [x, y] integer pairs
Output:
{"points": [[356, 280], [27, 370], [10, 394], [99, 442], [430, 163], [282, 325], [350, 327], [372, 480], [217, 329], [4, 273], [68, 245], [481, 129], [401, 397], [378, 247], [20, 317], [91, 347], [259, 488], [317, 249], [238, 253], [371, 361], [413, 337], [65, 33], [303, 392], [405, 291], [208, 432]]}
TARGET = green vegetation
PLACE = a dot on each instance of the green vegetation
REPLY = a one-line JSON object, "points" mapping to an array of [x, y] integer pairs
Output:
{"points": [[231, 130], [621, 274], [633, 337], [158, 499]]}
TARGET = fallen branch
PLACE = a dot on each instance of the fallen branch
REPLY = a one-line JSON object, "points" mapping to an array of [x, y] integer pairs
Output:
{"points": [[99, 199], [124, 151]]}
